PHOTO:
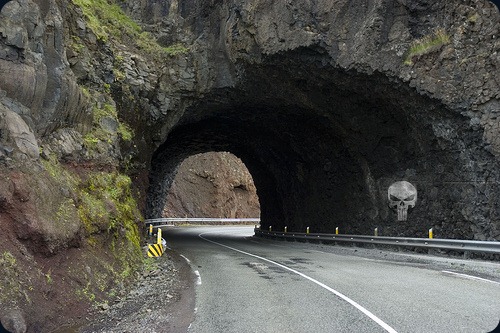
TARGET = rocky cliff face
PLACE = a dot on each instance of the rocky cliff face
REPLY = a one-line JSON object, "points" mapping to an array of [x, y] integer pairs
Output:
{"points": [[326, 103], [212, 185], [348, 97], [68, 215]]}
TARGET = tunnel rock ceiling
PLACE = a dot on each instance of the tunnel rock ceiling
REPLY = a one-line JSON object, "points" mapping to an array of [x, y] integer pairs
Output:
{"points": [[316, 99]]}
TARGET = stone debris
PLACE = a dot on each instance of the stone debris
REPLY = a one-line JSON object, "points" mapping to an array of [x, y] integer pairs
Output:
{"points": [[148, 306], [13, 321]]}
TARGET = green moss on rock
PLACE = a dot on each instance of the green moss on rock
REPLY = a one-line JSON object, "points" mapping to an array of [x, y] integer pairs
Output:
{"points": [[106, 200], [426, 44], [14, 286], [106, 127], [108, 21], [104, 204]]}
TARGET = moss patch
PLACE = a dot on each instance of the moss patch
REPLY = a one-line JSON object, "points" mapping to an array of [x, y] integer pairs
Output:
{"points": [[106, 127], [108, 21], [15, 286], [104, 203], [426, 44], [107, 205]]}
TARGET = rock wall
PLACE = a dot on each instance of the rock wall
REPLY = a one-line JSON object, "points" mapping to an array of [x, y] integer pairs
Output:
{"points": [[69, 220], [212, 185], [348, 97], [326, 103]]}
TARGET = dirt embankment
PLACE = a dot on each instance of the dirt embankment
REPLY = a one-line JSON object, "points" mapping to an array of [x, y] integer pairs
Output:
{"points": [[54, 267]]}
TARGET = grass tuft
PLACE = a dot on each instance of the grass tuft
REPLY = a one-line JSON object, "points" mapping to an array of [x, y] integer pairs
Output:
{"points": [[426, 44], [108, 21]]}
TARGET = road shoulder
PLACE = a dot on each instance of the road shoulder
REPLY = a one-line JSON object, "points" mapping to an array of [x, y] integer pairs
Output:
{"points": [[162, 300]]}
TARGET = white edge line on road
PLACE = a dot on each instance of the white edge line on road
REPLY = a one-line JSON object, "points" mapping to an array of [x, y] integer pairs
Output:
{"points": [[335, 292], [198, 278], [185, 258], [470, 277], [197, 273]]}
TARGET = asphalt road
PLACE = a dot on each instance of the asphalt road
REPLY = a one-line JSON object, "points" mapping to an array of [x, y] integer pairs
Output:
{"points": [[248, 284]]}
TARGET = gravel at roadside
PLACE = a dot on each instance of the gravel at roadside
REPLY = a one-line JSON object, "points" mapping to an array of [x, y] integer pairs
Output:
{"points": [[161, 301]]}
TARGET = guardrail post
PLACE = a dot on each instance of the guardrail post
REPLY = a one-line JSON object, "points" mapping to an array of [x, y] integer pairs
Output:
{"points": [[285, 229], [307, 230], [375, 232], [150, 230], [270, 228], [158, 240], [337, 231], [431, 236]]}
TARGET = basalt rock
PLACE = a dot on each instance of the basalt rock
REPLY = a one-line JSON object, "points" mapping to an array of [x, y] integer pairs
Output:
{"points": [[13, 320], [327, 104], [33, 66]]}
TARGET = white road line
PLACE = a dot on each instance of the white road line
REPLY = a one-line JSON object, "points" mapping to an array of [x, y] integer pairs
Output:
{"points": [[188, 261], [198, 276], [197, 273], [470, 277], [335, 292]]}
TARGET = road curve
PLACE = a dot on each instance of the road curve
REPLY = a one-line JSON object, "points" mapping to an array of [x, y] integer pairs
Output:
{"points": [[248, 284]]}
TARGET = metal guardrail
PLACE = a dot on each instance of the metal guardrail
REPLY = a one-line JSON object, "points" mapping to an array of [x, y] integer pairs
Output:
{"points": [[172, 221], [466, 246]]}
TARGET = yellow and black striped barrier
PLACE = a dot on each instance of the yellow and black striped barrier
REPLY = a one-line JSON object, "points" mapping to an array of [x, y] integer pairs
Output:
{"points": [[155, 250]]}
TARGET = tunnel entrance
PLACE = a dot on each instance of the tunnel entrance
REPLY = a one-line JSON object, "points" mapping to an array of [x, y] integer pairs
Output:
{"points": [[324, 145], [213, 184]]}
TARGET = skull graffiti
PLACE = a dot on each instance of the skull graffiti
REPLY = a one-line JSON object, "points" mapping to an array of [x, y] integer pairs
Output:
{"points": [[402, 195]]}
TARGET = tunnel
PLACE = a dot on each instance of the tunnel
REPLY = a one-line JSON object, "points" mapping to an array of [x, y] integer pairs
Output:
{"points": [[324, 144]]}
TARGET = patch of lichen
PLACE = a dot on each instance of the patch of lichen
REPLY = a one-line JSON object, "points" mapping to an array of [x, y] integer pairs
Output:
{"points": [[108, 21], [65, 212], [109, 206], [93, 214], [60, 174], [100, 138], [426, 44], [104, 201], [15, 286]]}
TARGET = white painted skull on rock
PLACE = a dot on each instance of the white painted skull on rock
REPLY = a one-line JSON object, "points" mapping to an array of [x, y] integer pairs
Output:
{"points": [[402, 195]]}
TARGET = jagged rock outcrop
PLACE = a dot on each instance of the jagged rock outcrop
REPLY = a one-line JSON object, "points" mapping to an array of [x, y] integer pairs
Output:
{"points": [[35, 72], [212, 185], [39, 95]]}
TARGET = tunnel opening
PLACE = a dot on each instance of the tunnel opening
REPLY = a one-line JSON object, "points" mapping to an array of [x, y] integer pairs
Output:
{"points": [[324, 144], [212, 184]]}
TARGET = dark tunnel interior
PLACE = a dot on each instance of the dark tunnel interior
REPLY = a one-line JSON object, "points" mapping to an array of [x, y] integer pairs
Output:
{"points": [[323, 146]]}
